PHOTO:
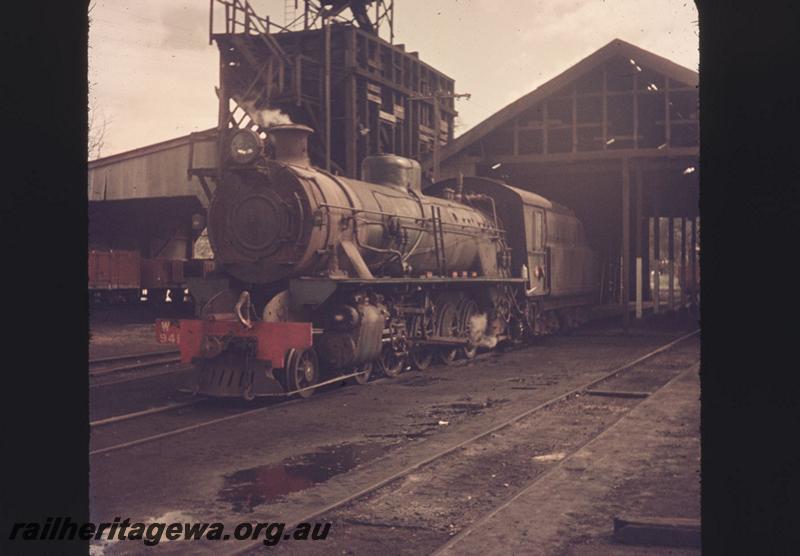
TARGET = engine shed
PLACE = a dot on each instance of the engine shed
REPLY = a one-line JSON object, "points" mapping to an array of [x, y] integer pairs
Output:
{"points": [[615, 138], [144, 199]]}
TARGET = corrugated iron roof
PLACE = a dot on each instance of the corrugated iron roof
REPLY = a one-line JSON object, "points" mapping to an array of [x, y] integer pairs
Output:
{"points": [[153, 148]]}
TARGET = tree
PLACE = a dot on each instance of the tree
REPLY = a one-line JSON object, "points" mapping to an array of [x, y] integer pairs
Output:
{"points": [[98, 123]]}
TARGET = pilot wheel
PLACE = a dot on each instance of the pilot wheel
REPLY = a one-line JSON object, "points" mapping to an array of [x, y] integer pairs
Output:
{"points": [[302, 371]]}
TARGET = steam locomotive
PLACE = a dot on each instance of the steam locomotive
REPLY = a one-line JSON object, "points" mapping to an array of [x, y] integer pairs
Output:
{"points": [[328, 278]]}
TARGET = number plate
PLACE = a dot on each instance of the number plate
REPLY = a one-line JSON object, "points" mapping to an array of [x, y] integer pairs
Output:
{"points": [[168, 331]]}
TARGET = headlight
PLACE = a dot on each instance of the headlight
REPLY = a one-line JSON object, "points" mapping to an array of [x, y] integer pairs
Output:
{"points": [[198, 221], [244, 146]]}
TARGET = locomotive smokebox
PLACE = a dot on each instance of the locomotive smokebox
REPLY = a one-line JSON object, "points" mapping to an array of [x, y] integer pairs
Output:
{"points": [[291, 143], [259, 222]]}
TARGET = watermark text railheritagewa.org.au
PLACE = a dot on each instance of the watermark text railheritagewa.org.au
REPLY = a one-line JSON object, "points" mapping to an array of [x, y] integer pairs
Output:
{"points": [[63, 528]]}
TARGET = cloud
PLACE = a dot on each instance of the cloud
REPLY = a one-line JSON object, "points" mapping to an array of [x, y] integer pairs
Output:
{"points": [[154, 72]]}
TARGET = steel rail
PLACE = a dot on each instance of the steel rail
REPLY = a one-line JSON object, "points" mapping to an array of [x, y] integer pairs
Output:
{"points": [[487, 516], [134, 366], [161, 409], [150, 411], [203, 424], [132, 356], [140, 377], [144, 360], [174, 432], [430, 459]]}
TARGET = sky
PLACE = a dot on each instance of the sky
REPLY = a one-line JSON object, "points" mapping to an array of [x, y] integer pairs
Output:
{"points": [[152, 72]]}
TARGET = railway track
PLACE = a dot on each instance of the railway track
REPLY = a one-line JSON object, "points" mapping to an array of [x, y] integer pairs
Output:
{"points": [[107, 365], [210, 422], [136, 377], [172, 406], [144, 412], [116, 419], [450, 467]]}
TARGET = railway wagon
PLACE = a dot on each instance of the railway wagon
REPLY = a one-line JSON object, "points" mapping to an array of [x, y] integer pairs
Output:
{"points": [[331, 278], [125, 277], [114, 275], [114, 269]]}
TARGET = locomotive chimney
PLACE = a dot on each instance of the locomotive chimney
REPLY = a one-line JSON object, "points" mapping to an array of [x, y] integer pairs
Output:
{"points": [[291, 143]]}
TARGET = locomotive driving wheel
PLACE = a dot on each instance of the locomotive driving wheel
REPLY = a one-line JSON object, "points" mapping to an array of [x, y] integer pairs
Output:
{"points": [[448, 326], [302, 371], [390, 362], [364, 371], [421, 357], [468, 310]]}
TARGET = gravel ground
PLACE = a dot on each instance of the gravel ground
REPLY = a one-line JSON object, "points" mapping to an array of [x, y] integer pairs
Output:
{"points": [[647, 465], [294, 456], [420, 512], [112, 339]]}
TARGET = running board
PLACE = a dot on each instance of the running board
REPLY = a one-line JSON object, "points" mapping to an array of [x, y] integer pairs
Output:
{"points": [[442, 341]]}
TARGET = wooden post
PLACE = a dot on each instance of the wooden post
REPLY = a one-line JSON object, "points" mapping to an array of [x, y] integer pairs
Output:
{"points": [[626, 244], [635, 112], [667, 126], [327, 26], [436, 124], [605, 107], [693, 259], [656, 254], [210, 22], [647, 292], [639, 252], [350, 109], [671, 264], [683, 262]]}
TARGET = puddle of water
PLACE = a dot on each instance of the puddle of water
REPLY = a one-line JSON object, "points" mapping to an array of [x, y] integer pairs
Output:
{"points": [[249, 488]]}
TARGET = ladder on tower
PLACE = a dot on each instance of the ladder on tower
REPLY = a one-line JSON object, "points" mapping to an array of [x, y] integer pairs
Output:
{"points": [[241, 18], [270, 70]]}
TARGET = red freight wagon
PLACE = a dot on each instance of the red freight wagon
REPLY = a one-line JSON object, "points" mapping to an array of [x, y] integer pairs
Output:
{"points": [[127, 277], [114, 270]]}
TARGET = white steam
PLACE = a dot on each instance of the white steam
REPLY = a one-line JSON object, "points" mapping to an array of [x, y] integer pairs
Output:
{"points": [[477, 332], [269, 118], [265, 117]]}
